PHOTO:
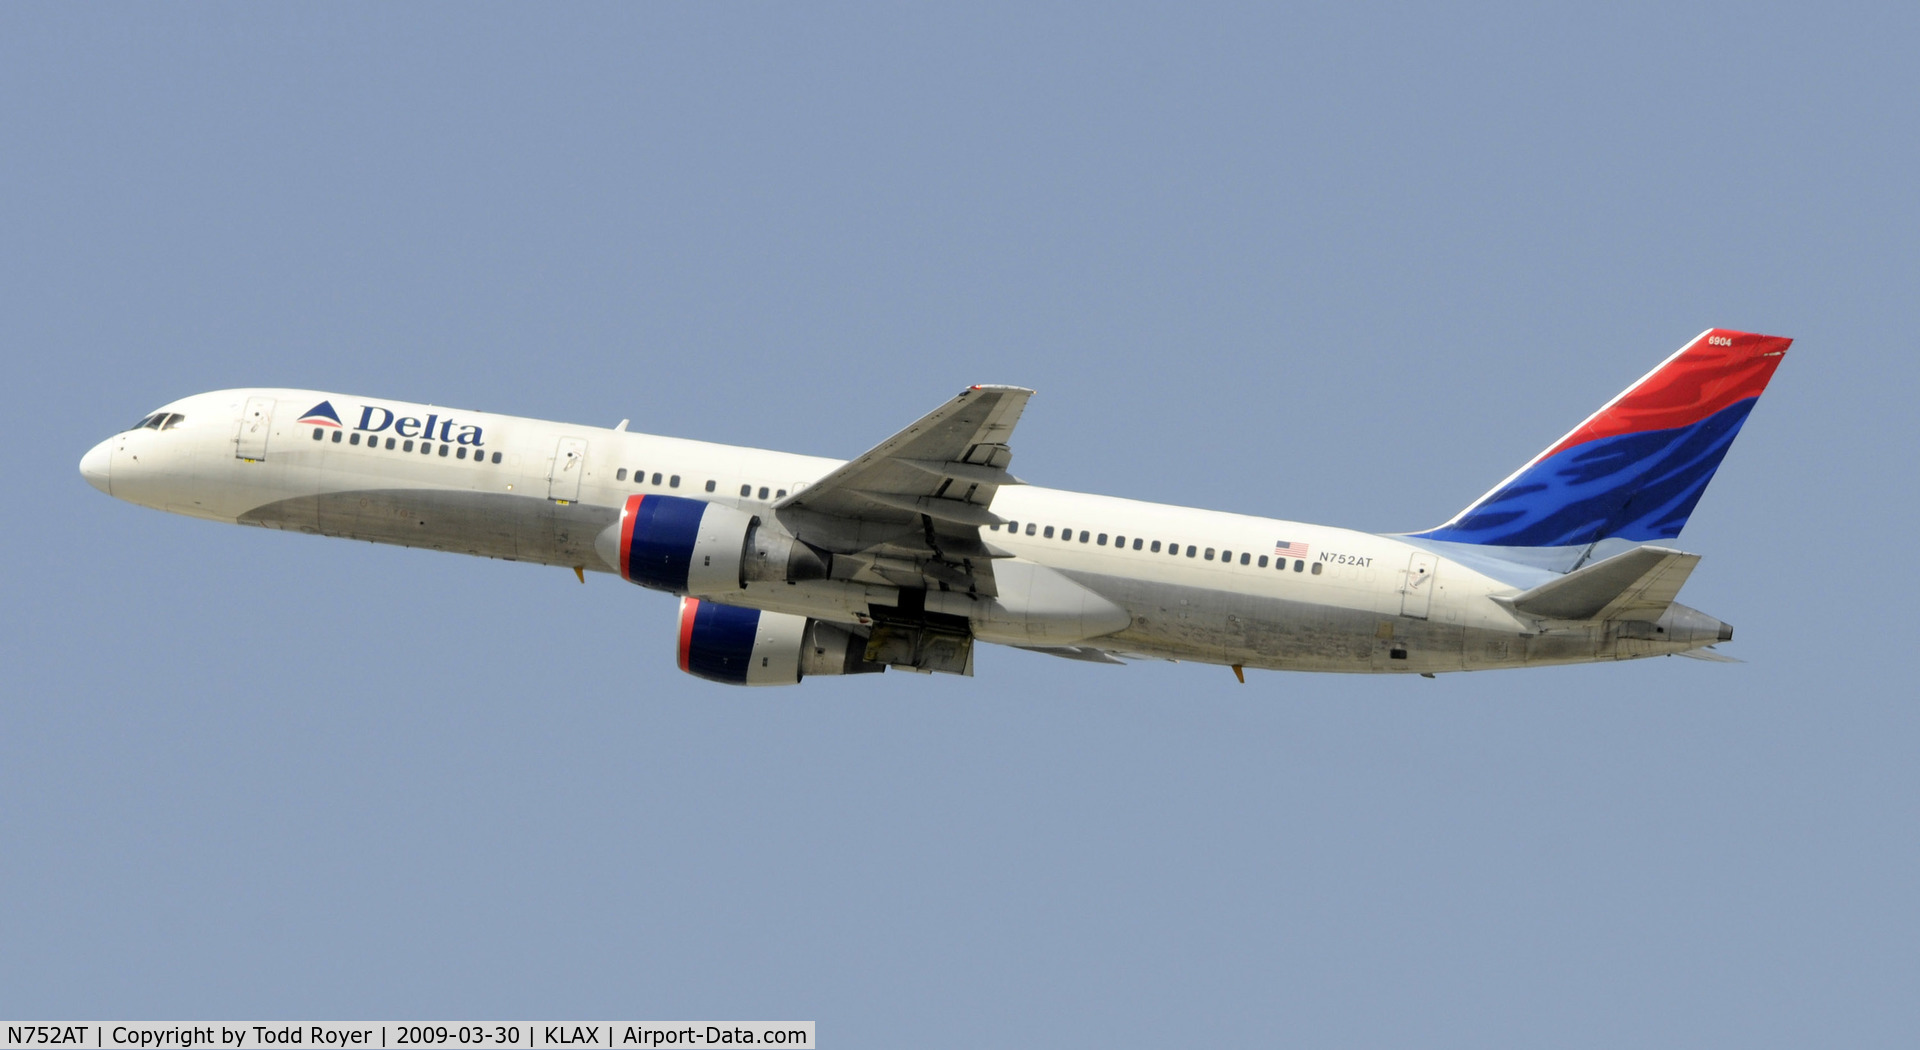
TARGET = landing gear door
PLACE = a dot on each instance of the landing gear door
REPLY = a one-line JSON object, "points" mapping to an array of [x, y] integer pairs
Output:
{"points": [[1416, 592], [256, 422], [563, 475]]}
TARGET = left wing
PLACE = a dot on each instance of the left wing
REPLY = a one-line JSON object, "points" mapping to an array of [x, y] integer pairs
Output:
{"points": [[909, 511]]}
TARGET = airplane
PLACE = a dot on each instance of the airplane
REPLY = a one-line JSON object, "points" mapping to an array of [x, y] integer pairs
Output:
{"points": [[788, 566]]}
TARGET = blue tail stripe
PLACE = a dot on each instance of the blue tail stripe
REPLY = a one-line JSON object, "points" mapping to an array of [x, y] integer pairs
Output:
{"points": [[1638, 487]]}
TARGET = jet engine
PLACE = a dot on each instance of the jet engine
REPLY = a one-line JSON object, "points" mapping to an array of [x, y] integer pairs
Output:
{"points": [[735, 646], [690, 546]]}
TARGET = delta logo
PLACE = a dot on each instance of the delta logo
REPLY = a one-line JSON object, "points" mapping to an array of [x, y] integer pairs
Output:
{"points": [[322, 415], [374, 420]]}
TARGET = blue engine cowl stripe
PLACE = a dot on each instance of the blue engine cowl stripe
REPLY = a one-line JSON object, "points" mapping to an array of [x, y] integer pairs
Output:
{"points": [[720, 643], [661, 537]]}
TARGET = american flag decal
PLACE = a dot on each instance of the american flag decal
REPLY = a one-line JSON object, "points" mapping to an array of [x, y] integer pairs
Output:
{"points": [[1289, 550]]}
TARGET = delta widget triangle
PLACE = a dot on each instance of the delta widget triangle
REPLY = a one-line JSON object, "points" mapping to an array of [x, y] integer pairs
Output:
{"points": [[323, 410]]}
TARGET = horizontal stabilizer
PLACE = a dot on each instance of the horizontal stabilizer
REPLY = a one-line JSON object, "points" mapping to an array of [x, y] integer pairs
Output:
{"points": [[1710, 655], [1636, 585]]}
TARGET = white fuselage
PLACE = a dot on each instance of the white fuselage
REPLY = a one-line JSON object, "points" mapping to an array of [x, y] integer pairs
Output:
{"points": [[1171, 582]]}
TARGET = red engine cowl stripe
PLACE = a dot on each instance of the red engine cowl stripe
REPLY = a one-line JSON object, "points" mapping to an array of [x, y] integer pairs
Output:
{"points": [[628, 514], [689, 608]]}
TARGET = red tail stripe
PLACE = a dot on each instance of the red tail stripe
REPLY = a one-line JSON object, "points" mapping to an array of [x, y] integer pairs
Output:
{"points": [[1714, 372]]}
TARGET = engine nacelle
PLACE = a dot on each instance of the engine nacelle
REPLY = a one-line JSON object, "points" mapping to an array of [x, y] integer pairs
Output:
{"points": [[690, 546], [736, 646]]}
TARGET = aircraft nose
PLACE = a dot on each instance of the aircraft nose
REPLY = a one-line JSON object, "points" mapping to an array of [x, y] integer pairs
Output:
{"points": [[95, 464]]}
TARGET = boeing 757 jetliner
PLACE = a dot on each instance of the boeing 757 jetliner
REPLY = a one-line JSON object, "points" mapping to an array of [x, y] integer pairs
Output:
{"points": [[790, 565]]}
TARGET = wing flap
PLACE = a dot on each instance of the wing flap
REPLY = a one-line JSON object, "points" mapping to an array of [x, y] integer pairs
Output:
{"points": [[963, 471], [959, 512]]}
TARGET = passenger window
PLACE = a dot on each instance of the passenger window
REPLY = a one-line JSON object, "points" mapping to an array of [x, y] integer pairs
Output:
{"points": [[746, 490], [1189, 550], [1030, 528], [1316, 567], [1013, 528], [1083, 535], [1244, 559], [673, 482], [711, 484], [1101, 539], [496, 457], [336, 437], [407, 445], [781, 494], [656, 475], [1209, 553], [461, 453], [426, 448], [1136, 544], [1049, 531], [1155, 548], [355, 439], [1226, 555], [763, 492], [1263, 561], [389, 444], [317, 433], [620, 475], [443, 451]]}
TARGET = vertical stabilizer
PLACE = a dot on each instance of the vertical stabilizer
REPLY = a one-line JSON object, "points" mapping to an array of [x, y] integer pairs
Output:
{"points": [[1633, 470]]}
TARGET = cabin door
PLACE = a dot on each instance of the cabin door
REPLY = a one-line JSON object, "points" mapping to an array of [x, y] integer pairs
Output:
{"points": [[256, 422], [1416, 593], [563, 475]]}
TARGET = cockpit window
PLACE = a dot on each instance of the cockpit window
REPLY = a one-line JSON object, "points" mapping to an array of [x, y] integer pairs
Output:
{"points": [[159, 421]]}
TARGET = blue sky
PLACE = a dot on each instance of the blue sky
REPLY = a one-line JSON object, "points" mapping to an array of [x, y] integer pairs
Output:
{"points": [[1340, 263]]}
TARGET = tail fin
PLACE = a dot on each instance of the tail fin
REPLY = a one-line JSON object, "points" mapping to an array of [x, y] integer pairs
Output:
{"points": [[1634, 470]]}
